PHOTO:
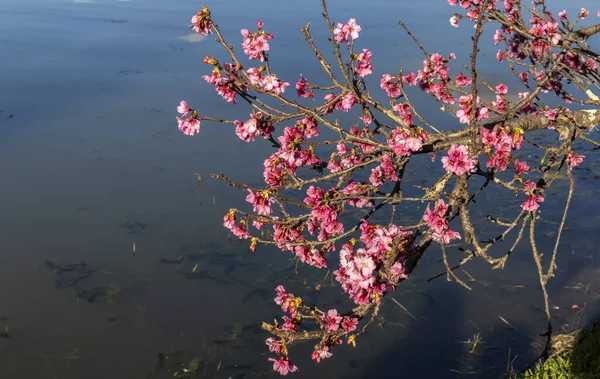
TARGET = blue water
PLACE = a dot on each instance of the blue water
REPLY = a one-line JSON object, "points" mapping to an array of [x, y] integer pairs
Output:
{"points": [[89, 147]]}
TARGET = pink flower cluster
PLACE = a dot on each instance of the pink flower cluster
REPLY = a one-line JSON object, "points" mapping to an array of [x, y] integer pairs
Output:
{"points": [[363, 61], [362, 189], [466, 105], [533, 200], [325, 215], [290, 156], [255, 126], [256, 44], [270, 83], [332, 321], [302, 88], [191, 125], [260, 201], [349, 158], [288, 237], [579, 63], [363, 274], [434, 78], [542, 29], [283, 365], [225, 85], [240, 231], [462, 80], [201, 22], [391, 85], [458, 160], [384, 172], [405, 113], [574, 159], [405, 141], [521, 168], [473, 6], [343, 32], [500, 144], [344, 104], [436, 219]]}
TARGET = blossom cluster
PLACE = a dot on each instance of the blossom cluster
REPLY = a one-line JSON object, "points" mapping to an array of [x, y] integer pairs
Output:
{"points": [[574, 159], [499, 144], [366, 274], [188, 126], [291, 156], [303, 89], [434, 78], [533, 199], [269, 83], [363, 63], [405, 141], [458, 161], [225, 85], [345, 32], [201, 22], [345, 103], [466, 106], [255, 126], [436, 219], [256, 44]]}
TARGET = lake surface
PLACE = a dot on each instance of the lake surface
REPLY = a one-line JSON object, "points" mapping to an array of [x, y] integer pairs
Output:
{"points": [[94, 169]]}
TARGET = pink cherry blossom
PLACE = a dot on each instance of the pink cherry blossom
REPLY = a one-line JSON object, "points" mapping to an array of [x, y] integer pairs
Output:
{"points": [[584, 13], [331, 320], [436, 219], [189, 126], [271, 83], [349, 323], [183, 108], [302, 88], [458, 160], [502, 89], [343, 32], [446, 236], [462, 80], [363, 61], [533, 200], [246, 131], [201, 22], [454, 21], [274, 345], [390, 84], [261, 202], [289, 324], [410, 79], [283, 365], [352, 29], [347, 102], [405, 112], [521, 167], [254, 75], [405, 141], [321, 353], [562, 15], [574, 159]]}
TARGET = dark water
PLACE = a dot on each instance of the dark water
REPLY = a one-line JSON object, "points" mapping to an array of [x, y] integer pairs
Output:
{"points": [[92, 165]]}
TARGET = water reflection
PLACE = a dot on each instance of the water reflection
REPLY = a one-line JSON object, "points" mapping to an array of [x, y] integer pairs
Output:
{"points": [[93, 165]]}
